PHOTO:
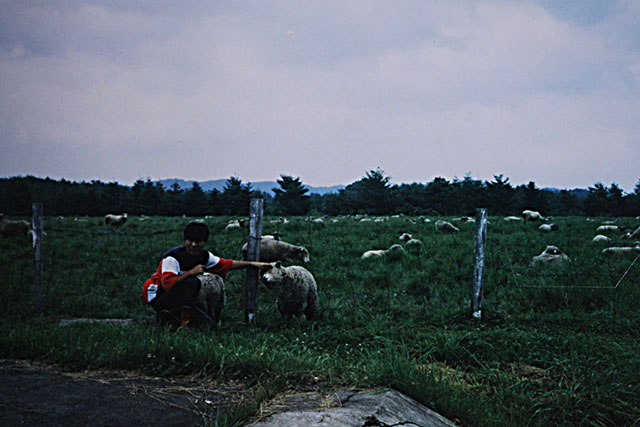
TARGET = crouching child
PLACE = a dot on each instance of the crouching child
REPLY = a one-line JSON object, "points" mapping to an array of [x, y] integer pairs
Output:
{"points": [[174, 288]]}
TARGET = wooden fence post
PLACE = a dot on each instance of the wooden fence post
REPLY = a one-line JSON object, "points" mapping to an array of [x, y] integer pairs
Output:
{"points": [[253, 254], [478, 262], [36, 225]]}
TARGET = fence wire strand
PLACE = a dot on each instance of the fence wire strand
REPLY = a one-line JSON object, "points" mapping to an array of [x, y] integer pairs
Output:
{"points": [[515, 278]]}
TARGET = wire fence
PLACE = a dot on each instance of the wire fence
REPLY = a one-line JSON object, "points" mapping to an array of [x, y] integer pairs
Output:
{"points": [[88, 266]]}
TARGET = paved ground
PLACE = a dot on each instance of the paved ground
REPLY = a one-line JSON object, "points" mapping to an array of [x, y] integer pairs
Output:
{"points": [[34, 395], [38, 395]]}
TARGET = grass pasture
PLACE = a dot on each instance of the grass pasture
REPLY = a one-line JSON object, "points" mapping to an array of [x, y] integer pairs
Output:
{"points": [[556, 346]]}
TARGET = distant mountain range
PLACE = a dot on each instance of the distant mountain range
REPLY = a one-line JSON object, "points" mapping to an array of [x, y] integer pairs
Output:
{"points": [[264, 186]]}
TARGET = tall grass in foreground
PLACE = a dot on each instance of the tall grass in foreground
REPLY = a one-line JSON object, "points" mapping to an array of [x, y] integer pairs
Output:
{"points": [[556, 346]]}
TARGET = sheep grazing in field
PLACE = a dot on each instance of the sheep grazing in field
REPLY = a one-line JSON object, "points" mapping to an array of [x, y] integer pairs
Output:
{"points": [[512, 218], [115, 220], [551, 255], [635, 248], [234, 224], [600, 238], [295, 289], [530, 215], [446, 226], [609, 227], [274, 236], [413, 245], [211, 296], [395, 251], [277, 250], [13, 227], [466, 219], [405, 237], [279, 221], [548, 227]]}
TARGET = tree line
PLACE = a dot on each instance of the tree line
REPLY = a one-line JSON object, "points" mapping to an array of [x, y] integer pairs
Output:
{"points": [[371, 195]]}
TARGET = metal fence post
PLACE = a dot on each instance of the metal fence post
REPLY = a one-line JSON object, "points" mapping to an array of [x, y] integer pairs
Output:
{"points": [[253, 254], [478, 262], [36, 225]]}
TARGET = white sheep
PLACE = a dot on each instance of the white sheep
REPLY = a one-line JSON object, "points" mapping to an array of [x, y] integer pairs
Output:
{"points": [[211, 296], [530, 215], [13, 227], [600, 238], [551, 255], [115, 220], [622, 249], [234, 224], [608, 227], [547, 227], [405, 237], [279, 221], [512, 218], [295, 289], [446, 226], [272, 250], [393, 252], [413, 245], [466, 219]]}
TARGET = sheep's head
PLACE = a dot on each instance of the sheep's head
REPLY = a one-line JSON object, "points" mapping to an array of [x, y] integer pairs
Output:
{"points": [[303, 254], [274, 275]]}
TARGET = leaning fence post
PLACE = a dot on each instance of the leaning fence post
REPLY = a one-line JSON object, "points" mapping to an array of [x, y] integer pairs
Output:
{"points": [[36, 225], [478, 262], [253, 254]]}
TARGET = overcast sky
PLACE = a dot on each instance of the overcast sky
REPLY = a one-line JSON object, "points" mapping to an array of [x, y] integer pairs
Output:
{"points": [[545, 91]]}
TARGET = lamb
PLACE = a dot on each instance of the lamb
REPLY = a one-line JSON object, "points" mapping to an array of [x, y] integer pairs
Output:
{"points": [[393, 252], [13, 228], [548, 227], [446, 226], [295, 289], [530, 215], [405, 237], [211, 296], [551, 255], [272, 250], [115, 220]]}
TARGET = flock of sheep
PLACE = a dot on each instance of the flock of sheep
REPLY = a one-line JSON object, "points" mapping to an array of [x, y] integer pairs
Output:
{"points": [[294, 286]]}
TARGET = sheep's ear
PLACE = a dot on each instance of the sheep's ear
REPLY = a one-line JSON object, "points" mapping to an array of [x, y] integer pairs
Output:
{"points": [[278, 264]]}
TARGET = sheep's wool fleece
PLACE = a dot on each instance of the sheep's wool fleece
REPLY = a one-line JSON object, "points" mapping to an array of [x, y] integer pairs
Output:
{"points": [[295, 288]]}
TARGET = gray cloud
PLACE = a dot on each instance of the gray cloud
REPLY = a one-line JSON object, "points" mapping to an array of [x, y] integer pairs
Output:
{"points": [[321, 90]]}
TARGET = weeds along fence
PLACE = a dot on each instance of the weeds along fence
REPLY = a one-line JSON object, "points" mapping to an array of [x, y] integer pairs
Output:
{"points": [[93, 270]]}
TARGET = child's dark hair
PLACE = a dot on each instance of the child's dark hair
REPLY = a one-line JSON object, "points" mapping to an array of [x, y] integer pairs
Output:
{"points": [[196, 231]]}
